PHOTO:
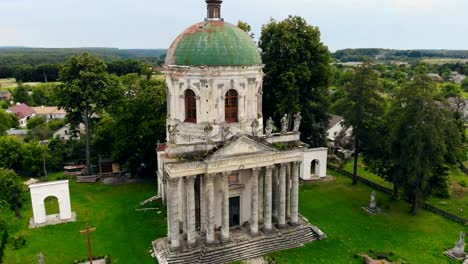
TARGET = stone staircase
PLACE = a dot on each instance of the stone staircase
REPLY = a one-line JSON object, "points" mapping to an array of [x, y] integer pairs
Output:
{"points": [[246, 249]]}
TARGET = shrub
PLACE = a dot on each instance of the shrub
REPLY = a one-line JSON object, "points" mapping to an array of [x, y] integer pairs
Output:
{"points": [[19, 242], [463, 183]]}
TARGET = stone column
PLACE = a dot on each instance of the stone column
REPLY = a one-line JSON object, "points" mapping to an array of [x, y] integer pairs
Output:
{"points": [[295, 193], [225, 208], [275, 192], [203, 211], [210, 228], [173, 206], [183, 212], [288, 190], [254, 202], [260, 197], [268, 199], [282, 196], [190, 210], [168, 218]]}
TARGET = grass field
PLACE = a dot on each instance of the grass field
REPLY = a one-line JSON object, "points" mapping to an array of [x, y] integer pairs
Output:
{"points": [[443, 61], [456, 204], [7, 83], [10, 83], [121, 231], [335, 207]]}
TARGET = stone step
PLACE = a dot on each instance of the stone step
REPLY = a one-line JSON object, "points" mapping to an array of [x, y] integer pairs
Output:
{"points": [[245, 249], [248, 254], [252, 251]]}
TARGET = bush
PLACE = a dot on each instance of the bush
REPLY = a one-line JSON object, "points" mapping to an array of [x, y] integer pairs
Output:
{"points": [[3, 238], [463, 183], [18, 242]]}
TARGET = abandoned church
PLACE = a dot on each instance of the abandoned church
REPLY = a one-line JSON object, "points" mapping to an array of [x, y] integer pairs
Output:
{"points": [[230, 183]]}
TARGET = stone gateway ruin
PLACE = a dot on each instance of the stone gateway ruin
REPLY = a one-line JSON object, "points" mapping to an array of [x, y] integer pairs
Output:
{"points": [[39, 193], [231, 189]]}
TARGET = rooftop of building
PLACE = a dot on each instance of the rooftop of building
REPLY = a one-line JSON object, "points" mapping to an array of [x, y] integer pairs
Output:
{"points": [[213, 43]]}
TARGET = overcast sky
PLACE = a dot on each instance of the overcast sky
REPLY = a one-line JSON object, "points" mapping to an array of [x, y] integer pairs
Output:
{"points": [[400, 24]]}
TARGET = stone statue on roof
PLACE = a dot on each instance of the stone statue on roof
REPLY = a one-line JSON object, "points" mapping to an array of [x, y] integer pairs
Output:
{"points": [[270, 125], [297, 121], [284, 124]]}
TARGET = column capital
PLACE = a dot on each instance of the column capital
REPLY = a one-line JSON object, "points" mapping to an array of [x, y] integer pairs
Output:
{"points": [[269, 168], [209, 177], [256, 170], [190, 179], [225, 175], [173, 181], [297, 163]]}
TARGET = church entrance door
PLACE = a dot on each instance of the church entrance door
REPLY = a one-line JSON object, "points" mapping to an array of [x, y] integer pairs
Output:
{"points": [[234, 211]]}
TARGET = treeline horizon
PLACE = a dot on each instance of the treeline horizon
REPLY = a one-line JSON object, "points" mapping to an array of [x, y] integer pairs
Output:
{"points": [[363, 54], [42, 64]]}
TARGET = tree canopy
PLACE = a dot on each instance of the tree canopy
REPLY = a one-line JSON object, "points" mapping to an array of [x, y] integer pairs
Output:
{"points": [[7, 121], [11, 190], [86, 89], [297, 75], [362, 107], [135, 123]]}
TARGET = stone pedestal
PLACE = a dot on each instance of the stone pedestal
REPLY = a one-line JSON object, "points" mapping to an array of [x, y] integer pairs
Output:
{"points": [[458, 251]]}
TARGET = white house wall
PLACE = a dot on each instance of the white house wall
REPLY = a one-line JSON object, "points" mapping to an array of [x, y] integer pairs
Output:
{"points": [[336, 130]]}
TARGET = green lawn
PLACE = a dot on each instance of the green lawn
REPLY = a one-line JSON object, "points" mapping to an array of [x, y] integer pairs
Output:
{"points": [[457, 203], [121, 231], [363, 172], [335, 207]]}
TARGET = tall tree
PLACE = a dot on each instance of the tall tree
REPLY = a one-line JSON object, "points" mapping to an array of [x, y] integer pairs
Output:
{"points": [[424, 140], [85, 90], [297, 75], [7, 121], [21, 95], [361, 107], [133, 129]]}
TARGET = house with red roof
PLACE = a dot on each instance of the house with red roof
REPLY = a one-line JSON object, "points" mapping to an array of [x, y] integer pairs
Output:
{"points": [[23, 112]]}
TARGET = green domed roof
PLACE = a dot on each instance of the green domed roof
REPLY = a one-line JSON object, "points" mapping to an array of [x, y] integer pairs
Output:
{"points": [[213, 43]]}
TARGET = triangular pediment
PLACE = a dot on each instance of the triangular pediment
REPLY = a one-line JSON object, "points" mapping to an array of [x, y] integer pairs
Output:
{"points": [[242, 145]]}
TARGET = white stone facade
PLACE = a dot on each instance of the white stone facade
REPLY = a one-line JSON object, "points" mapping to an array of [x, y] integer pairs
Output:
{"points": [[40, 191], [263, 181], [210, 85]]}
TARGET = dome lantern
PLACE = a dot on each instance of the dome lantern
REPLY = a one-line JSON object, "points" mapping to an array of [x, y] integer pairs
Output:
{"points": [[214, 9]]}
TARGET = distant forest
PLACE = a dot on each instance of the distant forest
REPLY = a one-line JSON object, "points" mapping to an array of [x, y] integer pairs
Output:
{"points": [[353, 55], [40, 64]]}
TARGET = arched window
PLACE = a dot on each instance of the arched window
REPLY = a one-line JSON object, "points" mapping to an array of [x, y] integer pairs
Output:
{"points": [[231, 106], [190, 107]]}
